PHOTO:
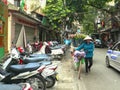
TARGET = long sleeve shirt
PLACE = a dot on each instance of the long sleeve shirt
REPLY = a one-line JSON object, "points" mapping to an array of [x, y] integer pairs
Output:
{"points": [[88, 48]]}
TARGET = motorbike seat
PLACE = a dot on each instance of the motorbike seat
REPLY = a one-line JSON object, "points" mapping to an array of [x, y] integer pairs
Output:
{"points": [[38, 55], [24, 67], [34, 59], [45, 63]]}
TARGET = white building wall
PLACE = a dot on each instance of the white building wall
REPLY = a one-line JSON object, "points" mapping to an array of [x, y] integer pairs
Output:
{"points": [[11, 1]]}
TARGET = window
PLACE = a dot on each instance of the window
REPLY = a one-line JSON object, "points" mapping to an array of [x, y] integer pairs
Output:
{"points": [[117, 47], [17, 3]]}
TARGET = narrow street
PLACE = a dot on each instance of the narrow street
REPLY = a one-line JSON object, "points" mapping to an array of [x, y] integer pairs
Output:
{"points": [[100, 77], [68, 79], [36, 25]]}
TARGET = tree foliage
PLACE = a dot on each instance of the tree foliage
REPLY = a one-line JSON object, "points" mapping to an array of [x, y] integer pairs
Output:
{"points": [[56, 12], [83, 11]]}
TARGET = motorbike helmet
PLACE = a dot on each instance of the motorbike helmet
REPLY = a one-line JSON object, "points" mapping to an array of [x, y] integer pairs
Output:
{"points": [[21, 49]]}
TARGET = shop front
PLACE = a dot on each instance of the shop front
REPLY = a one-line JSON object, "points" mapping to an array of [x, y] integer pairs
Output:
{"points": [[23, 28]]}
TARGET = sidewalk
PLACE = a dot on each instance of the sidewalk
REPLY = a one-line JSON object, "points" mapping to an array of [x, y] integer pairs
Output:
{"points": [[68, 78]]}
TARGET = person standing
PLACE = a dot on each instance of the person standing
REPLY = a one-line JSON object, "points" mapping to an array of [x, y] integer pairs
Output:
{"points": [[88, 47], [67, 42]]}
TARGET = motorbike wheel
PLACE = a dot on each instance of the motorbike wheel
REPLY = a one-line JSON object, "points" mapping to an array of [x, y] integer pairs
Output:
{"points": [[50, 82], [37, 83]]}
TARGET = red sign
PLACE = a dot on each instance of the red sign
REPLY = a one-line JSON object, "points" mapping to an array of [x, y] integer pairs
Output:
{"points": [[5, 1]]}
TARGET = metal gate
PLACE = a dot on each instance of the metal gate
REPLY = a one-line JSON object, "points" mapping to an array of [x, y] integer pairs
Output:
{"points": [[29, 33], [23, 34]]}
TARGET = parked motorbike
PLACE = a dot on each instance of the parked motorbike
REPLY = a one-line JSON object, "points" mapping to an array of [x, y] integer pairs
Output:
{"points": [[56, 45], [54, 52], [49, 76], [57, 53], [10, 73], [58, 50], [20, 86], [32, 57]]}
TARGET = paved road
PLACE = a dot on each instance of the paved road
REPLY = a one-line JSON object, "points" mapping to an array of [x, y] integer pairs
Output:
{"points": [[100, 77], [68, 77]]}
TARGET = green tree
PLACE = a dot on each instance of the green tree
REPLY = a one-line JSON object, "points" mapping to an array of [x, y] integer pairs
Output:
{"points": [[89, 20], [83, 11], [56, 13]]}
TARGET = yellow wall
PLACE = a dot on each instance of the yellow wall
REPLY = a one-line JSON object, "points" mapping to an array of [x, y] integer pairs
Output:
{"points": [[9, 32]]}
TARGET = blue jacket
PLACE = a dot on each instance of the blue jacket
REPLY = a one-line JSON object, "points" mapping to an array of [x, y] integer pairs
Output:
{"points": [[67, 41], [88, 48]]}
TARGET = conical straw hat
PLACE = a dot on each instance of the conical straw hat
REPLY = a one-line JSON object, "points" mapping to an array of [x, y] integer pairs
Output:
{"points": [[87, 38]]}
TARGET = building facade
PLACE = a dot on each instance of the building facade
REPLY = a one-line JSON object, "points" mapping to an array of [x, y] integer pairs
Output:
{"points": [[25, 23], [3, 29]]}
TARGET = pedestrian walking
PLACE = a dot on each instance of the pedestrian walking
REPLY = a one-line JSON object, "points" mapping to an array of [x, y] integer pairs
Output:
{"points": [[67, 42], [88, 47]]}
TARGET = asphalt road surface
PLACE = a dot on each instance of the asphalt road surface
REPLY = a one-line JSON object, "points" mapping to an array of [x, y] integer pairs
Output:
{"points": [[100, 77]]}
